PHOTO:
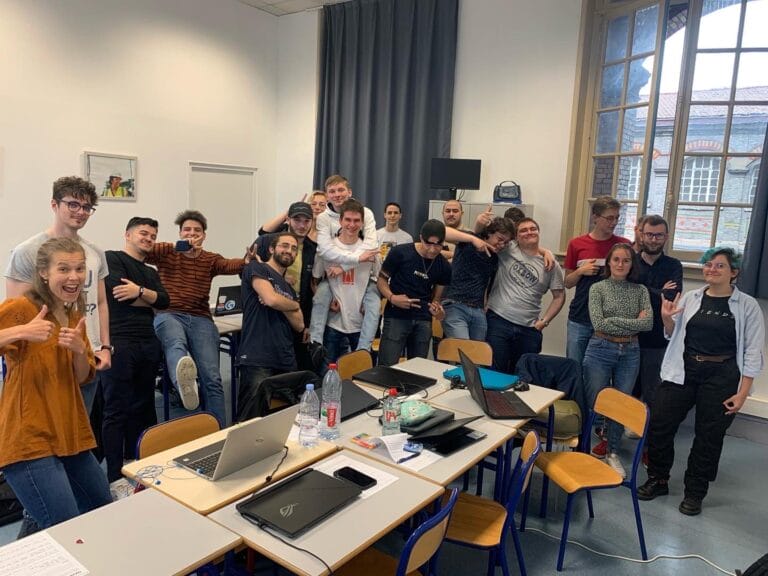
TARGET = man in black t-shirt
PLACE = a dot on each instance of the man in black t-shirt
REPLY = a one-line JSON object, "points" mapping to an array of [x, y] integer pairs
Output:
{"points": [[271, 315], [134, 292], [412, 279]]}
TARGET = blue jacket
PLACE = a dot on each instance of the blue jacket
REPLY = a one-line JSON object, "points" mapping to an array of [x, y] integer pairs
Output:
{"points": [[750, 335]]}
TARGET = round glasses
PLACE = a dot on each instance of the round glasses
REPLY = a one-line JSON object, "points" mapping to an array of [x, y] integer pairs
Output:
{"points": [[75, 206]]}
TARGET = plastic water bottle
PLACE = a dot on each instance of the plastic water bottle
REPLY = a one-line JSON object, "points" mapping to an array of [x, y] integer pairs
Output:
{"points": [[330, 409], [390, 419], [309, 410]]}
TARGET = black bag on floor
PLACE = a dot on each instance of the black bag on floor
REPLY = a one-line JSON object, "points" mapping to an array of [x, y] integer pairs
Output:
{"points": [[10, 508]]}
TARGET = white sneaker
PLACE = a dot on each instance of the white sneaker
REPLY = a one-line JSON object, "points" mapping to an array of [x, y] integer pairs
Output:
{"points": [[186, 377], [631, 435], [614, 462], [120, 489]]}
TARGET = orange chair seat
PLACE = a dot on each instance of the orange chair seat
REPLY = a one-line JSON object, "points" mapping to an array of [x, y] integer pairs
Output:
{"points": [[371, 562], [574, 471], [477, 521]]}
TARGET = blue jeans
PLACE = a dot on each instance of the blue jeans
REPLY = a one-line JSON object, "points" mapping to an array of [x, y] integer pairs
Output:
{"points": [[54, 489], [577, 340], [608, 363], [371, 314], [89, 393], [462, 321], [195, 336], [509, 341], [400, 333], [337, 343]]}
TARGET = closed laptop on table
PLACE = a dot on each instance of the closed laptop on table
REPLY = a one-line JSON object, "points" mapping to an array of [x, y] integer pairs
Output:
{"points": [[354, 400], [388, 377]]}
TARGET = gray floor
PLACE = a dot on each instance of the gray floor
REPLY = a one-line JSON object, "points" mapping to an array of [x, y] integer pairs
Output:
{"points": [[730, 531]]}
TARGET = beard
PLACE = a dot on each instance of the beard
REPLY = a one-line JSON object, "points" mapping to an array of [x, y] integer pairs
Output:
{"points": [[654, 251], [285, 260]]}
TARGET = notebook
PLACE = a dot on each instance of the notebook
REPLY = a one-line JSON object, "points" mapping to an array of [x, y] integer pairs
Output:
{"points": [[298, 503], [244, 445], [388, 377], [498, 405], [354, 400], [229, 301]]}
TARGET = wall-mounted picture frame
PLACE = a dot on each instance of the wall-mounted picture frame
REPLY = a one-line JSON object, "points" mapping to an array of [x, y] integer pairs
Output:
{"points": [[114, 175]]}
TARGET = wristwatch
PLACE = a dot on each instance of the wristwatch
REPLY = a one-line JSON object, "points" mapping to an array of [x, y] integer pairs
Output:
{"points": [[141, 291], [107, 347]]}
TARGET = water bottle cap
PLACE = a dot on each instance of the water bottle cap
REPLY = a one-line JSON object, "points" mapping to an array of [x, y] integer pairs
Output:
{"points": [[332, 366], [310, 386], [393, 391]]}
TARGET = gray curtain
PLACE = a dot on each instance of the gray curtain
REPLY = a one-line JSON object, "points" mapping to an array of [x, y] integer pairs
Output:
{"points": [[386, 99], [754, 275]]}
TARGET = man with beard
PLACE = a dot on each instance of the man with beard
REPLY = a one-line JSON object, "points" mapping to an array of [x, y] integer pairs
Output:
{"points": [[271, 315], [453, 212]]}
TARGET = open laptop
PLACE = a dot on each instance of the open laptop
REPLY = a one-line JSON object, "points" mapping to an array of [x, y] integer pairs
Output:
{"points": [[448, 437], [228, 301], [388, 377], [498, 405], [354, 400], [244, 445], [297, 503]]}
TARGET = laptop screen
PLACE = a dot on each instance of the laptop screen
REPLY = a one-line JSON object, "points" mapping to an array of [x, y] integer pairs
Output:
{"points": [[472, 379]]}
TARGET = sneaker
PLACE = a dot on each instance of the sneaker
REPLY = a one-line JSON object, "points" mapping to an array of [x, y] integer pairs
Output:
{"points": [[120, 489], [653, 487], [631, 435], [186, 377], [690, 506], [614, 462], [600, 450]]}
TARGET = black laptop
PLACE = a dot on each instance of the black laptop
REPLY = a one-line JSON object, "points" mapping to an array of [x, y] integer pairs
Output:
{"points": [[298, 503], [448, 437], [229, 301], [498, 405], [388, 377], [354, 400]]}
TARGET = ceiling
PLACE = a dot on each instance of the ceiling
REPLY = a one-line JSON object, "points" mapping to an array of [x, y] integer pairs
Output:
{"points": [[283, 7]]}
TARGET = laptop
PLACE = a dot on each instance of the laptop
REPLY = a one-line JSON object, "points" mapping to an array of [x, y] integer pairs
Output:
{"points": [[298, 503], [229, 301], [388, 377], [244, 445], [499, 405], [450, 436], [354, 400]]}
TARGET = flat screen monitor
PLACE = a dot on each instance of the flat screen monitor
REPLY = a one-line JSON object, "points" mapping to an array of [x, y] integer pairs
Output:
{"points": [[456, 173]]}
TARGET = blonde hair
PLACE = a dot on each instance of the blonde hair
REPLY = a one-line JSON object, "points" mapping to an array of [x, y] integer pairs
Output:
{"points": [[41, 293]]}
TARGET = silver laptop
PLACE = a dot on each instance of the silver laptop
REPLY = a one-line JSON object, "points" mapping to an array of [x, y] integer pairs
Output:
{"points": [[244, 445]]}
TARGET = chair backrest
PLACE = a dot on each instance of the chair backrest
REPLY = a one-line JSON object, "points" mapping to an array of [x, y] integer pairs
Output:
{"points": [[354, 362], [479, 352], [622, 408], [437, 328], [521, 475], [174, 432], [425, 541]]}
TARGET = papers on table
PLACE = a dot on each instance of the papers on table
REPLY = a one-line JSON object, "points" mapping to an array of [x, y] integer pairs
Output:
{"points": [[393, 444], [38, 555], [383, 479]]}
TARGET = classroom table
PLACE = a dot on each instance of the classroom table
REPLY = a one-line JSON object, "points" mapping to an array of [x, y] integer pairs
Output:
{"points": [[348, 531], [147, 534], [204, 496]]}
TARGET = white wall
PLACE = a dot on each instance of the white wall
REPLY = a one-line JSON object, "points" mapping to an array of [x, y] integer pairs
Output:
{"points": [[167, 81]]}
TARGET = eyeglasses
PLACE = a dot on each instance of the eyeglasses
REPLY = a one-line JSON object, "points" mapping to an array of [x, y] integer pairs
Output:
{"points": [[286, 246], [433, 244], [609, 218], [716, 265], [75, 206], [655, 235]]}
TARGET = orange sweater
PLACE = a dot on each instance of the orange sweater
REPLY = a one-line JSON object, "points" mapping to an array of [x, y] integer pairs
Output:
{"points": [[41, 408]]}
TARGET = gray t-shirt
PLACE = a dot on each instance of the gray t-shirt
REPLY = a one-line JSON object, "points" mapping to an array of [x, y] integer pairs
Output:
{"points": [[520, 284], [22, 269], [389, 239]]}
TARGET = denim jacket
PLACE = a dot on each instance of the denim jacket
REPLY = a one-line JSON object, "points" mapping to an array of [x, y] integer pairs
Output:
{"points": [[750, 335]]}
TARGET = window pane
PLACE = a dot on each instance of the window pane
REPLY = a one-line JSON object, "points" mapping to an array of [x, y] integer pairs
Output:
{"points": [[719, 26], [733, 227], [699, 179], [706, 128], [755, 25], [628, 184], [748, 128], [638, 87], [693, 228], [740, 180], [616, 43], [627, 219], [753, 73], [644, 39], [613, 84], [712, 77], [607, 131], [602, 184], [657, 185], [633, 132]]}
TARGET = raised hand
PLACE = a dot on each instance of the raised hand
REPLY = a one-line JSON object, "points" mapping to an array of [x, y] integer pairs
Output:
{"points": [[72, 338], [38, 329], [669, 308]]}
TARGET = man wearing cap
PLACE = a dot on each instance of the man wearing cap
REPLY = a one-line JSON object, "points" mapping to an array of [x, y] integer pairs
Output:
{"points": [[412, 279], [113, 189]]}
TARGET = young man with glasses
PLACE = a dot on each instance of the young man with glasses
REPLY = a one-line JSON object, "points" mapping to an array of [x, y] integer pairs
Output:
{"points": [[73, 203]]}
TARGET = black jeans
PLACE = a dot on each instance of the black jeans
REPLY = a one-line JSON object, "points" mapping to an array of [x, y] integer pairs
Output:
{"points": [[707, 385], [129, 401]]}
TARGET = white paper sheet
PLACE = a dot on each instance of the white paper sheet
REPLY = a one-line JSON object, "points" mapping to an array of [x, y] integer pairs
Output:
{"points": [[383, 479], [422, 460], [38, 555]]}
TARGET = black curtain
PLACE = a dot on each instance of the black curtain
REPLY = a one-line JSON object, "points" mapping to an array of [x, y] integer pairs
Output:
{"points": [[754, 274], [386, 99]]}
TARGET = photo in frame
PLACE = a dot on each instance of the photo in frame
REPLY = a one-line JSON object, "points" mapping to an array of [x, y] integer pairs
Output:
{"points": [[113, 175]]}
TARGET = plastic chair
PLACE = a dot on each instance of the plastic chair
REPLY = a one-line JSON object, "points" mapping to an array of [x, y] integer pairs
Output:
{"points": [[580, 471], [353, 363], [483, 523], [174, 432], [479, 352], [420, 549]]}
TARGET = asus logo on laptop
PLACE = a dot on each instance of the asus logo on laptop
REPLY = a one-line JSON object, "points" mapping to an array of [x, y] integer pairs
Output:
{"points": [[287, 510]]}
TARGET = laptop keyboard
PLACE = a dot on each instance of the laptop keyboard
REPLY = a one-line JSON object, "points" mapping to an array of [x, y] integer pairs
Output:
{"points": [[207, 465]]}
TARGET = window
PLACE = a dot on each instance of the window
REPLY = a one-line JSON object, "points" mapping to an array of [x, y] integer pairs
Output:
{"points": [[683, 140]]}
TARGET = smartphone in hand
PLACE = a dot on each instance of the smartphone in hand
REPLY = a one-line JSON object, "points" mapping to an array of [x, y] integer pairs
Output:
{"points": [[183, 246]]}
